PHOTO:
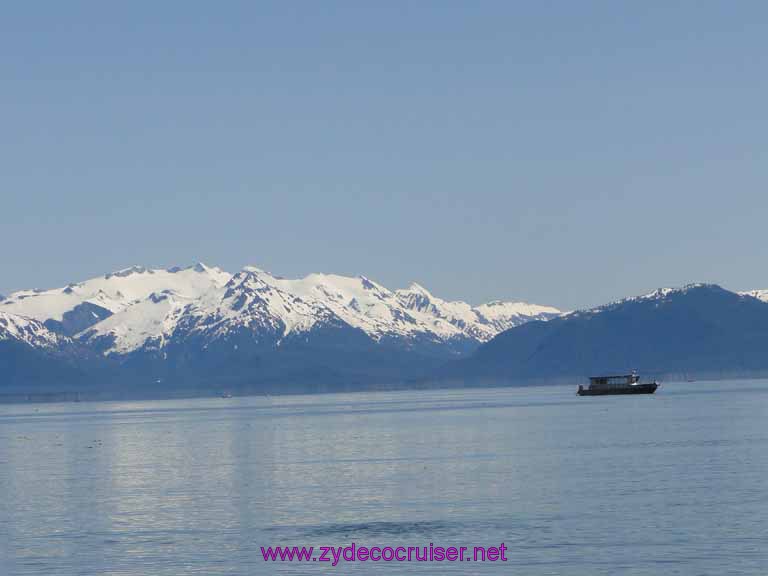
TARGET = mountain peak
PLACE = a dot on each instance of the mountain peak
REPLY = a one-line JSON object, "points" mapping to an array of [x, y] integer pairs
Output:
{"points": [[128, 272], [419, 289], [369, 284], [664, 292], [199, 267], [255, 270], [28, 331], [660, 294]]}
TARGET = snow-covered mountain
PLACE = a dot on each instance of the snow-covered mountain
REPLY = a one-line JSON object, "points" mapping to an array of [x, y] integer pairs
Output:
{"points": [[139, 308], [77, 306], [479, 323], [145, 331], [15, 328]]}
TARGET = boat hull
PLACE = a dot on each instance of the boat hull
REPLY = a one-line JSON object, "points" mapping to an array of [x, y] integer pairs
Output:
{"points": [[634, 389]]}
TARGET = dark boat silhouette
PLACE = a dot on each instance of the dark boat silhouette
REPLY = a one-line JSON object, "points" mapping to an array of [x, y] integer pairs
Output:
{"points": [[621, 384]]}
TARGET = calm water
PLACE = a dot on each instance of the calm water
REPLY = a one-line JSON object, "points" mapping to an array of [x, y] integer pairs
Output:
{"points": [[675, 483]]}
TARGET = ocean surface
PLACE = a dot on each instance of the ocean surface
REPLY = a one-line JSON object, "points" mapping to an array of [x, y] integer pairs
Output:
{"points": [[675, 483]]}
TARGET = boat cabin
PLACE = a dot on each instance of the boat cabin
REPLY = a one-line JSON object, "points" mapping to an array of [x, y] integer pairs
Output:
{"points": [[613, 381], [619, 384]]}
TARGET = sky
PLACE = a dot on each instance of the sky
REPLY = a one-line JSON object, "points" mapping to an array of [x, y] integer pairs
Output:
{"points": [[564, 153]]}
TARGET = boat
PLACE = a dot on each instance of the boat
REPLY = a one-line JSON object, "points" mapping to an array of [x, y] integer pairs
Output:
{"points": [[620, 384]]}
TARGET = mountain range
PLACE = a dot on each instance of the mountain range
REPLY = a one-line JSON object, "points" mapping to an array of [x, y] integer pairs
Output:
{"points": [[201, 326], [697, 331], [140, 332]]}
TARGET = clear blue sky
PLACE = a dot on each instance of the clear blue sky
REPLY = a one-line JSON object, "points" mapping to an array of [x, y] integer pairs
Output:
{"points": [[560, 152]]}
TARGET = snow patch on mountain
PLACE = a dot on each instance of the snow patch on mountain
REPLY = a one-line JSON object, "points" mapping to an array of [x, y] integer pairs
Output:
{"points": [[147, 323], [362, 303], [116, 291], [149, 303], [759, 294], [28, 331], [477, 322], [250, 304]]}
